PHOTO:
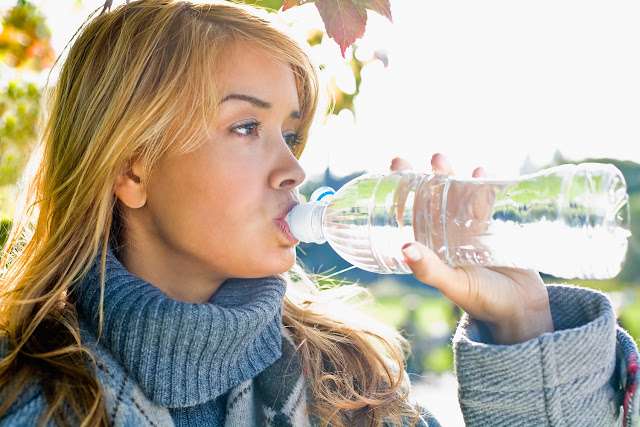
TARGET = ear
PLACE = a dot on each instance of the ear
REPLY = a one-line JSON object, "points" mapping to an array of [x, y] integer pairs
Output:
{"points": [[129, 187]]}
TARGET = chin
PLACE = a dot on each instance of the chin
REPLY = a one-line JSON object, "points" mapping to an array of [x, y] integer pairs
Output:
{"points": [[274, 266], [286, 263]]}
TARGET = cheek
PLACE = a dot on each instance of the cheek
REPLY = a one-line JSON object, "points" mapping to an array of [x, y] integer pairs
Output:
{"points": [[245, 245], [221, 215], [211, 211]]}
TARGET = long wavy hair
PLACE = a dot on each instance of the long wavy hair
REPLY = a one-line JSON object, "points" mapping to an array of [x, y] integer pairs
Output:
{"points": [[140, 83]]}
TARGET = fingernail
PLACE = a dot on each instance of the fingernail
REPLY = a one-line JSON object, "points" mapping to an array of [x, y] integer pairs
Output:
{"points": [[479, 172], [412, 253]]}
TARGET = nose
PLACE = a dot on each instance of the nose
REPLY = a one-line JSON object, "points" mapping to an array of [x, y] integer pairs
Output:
{"points": [[288, 173]]}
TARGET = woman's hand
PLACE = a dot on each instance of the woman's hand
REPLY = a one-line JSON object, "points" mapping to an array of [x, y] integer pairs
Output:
{"points": [[513, 303]]}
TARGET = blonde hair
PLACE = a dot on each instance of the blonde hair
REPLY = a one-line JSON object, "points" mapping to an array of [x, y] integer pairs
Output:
{"points": [[121, 96]]}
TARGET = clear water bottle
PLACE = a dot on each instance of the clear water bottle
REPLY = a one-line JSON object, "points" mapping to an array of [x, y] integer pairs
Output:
{"points": [[568, 221]]}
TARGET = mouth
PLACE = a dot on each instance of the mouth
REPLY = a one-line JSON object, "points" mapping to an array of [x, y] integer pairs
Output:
{"points": [[282, 223]]}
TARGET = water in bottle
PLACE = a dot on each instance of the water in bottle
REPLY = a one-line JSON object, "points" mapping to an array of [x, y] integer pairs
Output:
{"points": [[567, 221]]}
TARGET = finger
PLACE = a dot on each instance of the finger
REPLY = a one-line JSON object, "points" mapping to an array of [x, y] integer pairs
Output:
{"points": [[440, 164], [481, 207], [479, 172], [399, 164], [430, 269]]}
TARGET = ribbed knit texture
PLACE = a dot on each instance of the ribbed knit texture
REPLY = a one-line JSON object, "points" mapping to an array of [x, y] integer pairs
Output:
{"points": [[552, 380], [184, 355]]}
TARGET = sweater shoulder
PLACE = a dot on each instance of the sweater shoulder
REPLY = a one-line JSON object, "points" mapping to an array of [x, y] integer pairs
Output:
{"points": [[124, 401]]}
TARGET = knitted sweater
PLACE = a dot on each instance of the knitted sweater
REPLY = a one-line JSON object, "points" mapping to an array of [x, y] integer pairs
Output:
{"points": [[228, 362]]}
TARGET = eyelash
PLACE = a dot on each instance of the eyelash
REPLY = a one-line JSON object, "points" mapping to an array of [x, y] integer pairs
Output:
{"points": [[292, 139], [296, 139], [254, 123]]}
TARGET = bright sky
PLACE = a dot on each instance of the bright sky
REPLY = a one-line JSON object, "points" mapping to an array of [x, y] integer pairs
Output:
{"points": [[487, 83]]}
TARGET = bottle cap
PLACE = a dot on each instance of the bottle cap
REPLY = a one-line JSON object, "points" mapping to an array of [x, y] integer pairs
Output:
{"points": [[305, 222], [322, 194], [305, 219]]}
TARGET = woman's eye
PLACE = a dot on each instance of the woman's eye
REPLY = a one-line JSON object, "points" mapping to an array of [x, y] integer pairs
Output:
{"points": [[247, 129], [293, 140]]}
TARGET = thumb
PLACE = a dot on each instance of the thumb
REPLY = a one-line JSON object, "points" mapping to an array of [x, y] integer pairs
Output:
{"points": [[430, 269]]}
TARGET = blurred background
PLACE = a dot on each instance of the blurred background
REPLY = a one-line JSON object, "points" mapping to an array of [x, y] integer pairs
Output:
{"points": [[511, 85]]}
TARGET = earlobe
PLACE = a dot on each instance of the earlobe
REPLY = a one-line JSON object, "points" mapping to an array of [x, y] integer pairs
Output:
{"points": [[129, 188]]}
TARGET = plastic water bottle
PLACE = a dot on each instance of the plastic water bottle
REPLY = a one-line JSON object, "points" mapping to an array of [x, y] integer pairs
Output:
{"points": [[568, 221]]}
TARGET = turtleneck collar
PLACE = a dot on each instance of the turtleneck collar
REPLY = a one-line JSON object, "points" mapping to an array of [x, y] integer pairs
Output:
{"points": [[184, 354]]}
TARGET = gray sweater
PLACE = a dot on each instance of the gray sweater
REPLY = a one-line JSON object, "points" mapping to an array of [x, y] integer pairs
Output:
{"points": [[229, 362]]}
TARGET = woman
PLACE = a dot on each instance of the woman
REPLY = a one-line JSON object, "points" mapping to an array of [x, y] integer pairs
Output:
{"points": [[147, 269]]}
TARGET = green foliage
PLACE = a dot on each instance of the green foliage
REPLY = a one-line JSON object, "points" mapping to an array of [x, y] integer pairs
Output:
{"points": [[631, 269], [7, 201], [315, 37], [630, 273], [24, 45], [630, 318], [7, 207], [343, 100], [19, 111], [5, 226], [630, 170], [268, 4], [428, 327], [429, 311], [439, 360], [25, 40]]}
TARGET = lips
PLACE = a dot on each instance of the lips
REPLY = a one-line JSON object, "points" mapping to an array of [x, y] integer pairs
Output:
{"points": [[282, 223]]}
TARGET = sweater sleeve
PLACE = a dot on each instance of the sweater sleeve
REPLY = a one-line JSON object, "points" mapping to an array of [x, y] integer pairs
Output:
{"points": [[585, 373]]}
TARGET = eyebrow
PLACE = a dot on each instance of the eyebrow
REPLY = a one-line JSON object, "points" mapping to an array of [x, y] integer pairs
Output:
{"points": [[250, 99], [256, 102]]}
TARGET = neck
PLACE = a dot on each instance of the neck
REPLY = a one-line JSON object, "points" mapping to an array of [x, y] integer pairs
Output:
{"points": [[182, 354], [156, 262]]}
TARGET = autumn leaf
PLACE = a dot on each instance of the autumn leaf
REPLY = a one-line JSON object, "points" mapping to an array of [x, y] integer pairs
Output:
{"points": [[344, 20], [383, 7]]}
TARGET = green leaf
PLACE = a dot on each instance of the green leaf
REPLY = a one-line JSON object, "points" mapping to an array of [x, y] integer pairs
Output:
{"points": [[315, 37], [274, 5]]}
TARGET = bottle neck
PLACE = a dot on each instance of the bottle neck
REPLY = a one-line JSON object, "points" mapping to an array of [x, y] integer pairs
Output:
{"points": [[317, 214]]}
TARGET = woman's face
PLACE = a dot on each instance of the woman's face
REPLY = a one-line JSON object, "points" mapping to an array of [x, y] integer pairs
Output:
{"points": [[218, 212]]}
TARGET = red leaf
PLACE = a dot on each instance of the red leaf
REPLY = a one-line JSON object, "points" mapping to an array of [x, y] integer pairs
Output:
{"points": [[344, 20], [288, 4]]}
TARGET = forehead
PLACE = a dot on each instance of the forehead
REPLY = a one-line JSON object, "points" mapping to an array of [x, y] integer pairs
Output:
{"points": [[246, 71]]}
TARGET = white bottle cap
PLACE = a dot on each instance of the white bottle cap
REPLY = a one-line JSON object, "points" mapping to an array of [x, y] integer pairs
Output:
{"points": [[305, 222]]}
